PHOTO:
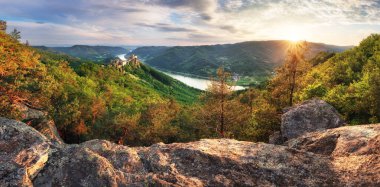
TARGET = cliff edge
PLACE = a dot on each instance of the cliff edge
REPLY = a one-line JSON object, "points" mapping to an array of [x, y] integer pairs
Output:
{"points": [[343, 156]]}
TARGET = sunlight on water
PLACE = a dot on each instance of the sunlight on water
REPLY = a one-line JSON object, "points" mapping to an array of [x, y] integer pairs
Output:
{"points": [[201, 84], [122, 56]]}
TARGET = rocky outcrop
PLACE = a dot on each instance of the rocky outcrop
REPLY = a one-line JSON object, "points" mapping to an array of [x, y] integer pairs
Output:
{"points": [[309, 116], [40, 121], [218, 162], [355, 152], [48, 129], [23, 153], [343, 141], [28, 158]]}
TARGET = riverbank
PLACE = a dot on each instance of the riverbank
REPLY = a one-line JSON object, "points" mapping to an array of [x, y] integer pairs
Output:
{"points": [[195, 81]]}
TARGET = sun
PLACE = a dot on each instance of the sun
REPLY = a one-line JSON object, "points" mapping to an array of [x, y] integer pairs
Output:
{"points": [[293, 37], [293, 34]]}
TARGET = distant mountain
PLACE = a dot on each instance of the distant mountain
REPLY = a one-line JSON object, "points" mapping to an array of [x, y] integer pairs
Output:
{"points": [[95, 53], [252, 60]]}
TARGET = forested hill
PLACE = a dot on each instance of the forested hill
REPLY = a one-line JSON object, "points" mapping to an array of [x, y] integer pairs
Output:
{"points": [[90, 100], [253, 59], [95, 53], [350, 81]]}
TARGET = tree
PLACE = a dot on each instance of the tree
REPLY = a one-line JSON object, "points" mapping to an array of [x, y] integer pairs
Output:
{"points": [[285, 83], [15, 34], [220, 114], [157, 122], [218, 91], [3, 25], [98, 108], [23, 79], [128, 127]]}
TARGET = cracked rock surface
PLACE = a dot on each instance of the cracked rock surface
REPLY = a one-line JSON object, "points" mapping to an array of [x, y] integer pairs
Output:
{"points": [[346, 156]]}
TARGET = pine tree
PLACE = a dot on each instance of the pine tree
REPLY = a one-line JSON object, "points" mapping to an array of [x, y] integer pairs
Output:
{"points": [[15, 34], [215, 113], [286, 81]]}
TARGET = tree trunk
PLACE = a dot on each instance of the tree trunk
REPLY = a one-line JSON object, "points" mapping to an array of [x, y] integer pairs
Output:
{"points": [[222, 108], [222, 120], [292, 86]]}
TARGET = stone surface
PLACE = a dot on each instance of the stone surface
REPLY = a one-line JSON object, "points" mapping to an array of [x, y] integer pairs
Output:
{"points": [[48, 129], [218, 162], [343, 141], [23, 153], [346, 156], [40, 121], [355, 152], [309, 116], [276, 138]]}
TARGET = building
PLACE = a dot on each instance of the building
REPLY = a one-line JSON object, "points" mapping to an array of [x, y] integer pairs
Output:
{"points": [[132, 61]]}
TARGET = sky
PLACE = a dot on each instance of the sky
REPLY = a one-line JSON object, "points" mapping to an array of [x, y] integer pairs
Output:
{"points": [[190, 22]]}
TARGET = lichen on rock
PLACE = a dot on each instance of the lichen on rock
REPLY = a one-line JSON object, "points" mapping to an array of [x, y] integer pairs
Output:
{"points": [[345, 156], [309, 116]]}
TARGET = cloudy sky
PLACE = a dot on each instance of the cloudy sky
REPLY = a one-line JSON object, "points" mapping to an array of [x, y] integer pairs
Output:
{"points": [[190, 22]]}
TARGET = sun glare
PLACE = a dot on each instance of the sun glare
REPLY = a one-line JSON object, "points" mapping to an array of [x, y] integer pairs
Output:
{"points": [[293, 37], [293, 34]]}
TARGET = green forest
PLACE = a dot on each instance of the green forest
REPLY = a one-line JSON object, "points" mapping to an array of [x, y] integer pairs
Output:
{"points": [[142, 106], [252, 61]]}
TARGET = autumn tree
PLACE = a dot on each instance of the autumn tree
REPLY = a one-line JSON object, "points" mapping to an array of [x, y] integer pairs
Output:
{"points": [[218, 91], [248, 98], [127, 126], [98, 108], [157, 122], [220, 113], [286, 81], [23, 79]]}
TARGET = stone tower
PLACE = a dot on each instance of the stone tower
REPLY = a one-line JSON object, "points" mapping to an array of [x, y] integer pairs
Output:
{"points": [[3, 25]]}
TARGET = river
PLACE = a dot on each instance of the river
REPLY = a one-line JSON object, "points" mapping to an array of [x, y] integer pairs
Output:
{"points": [[198, 83]]}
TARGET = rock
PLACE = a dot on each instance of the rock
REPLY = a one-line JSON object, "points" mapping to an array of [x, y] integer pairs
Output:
{"points": [[93, 163], [343, 141], [276, 138], [218, 162], [49, 130], [23, 153], [309, 116], [40, 121], [346, 156], [28, 113], [355, 152]]}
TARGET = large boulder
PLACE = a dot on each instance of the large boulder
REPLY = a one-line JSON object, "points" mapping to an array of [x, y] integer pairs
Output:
{"points": [[309, 116], [355, 152], [23, 153]]}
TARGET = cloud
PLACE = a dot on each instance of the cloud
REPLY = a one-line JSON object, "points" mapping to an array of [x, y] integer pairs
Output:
{"points": [[196, 5], [189, 22], [229, 28], [166, 27]]}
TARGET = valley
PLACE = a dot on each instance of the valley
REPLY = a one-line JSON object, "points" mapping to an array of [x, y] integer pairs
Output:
{"points": [[198, 83], [254, 62], [196, 93]]}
